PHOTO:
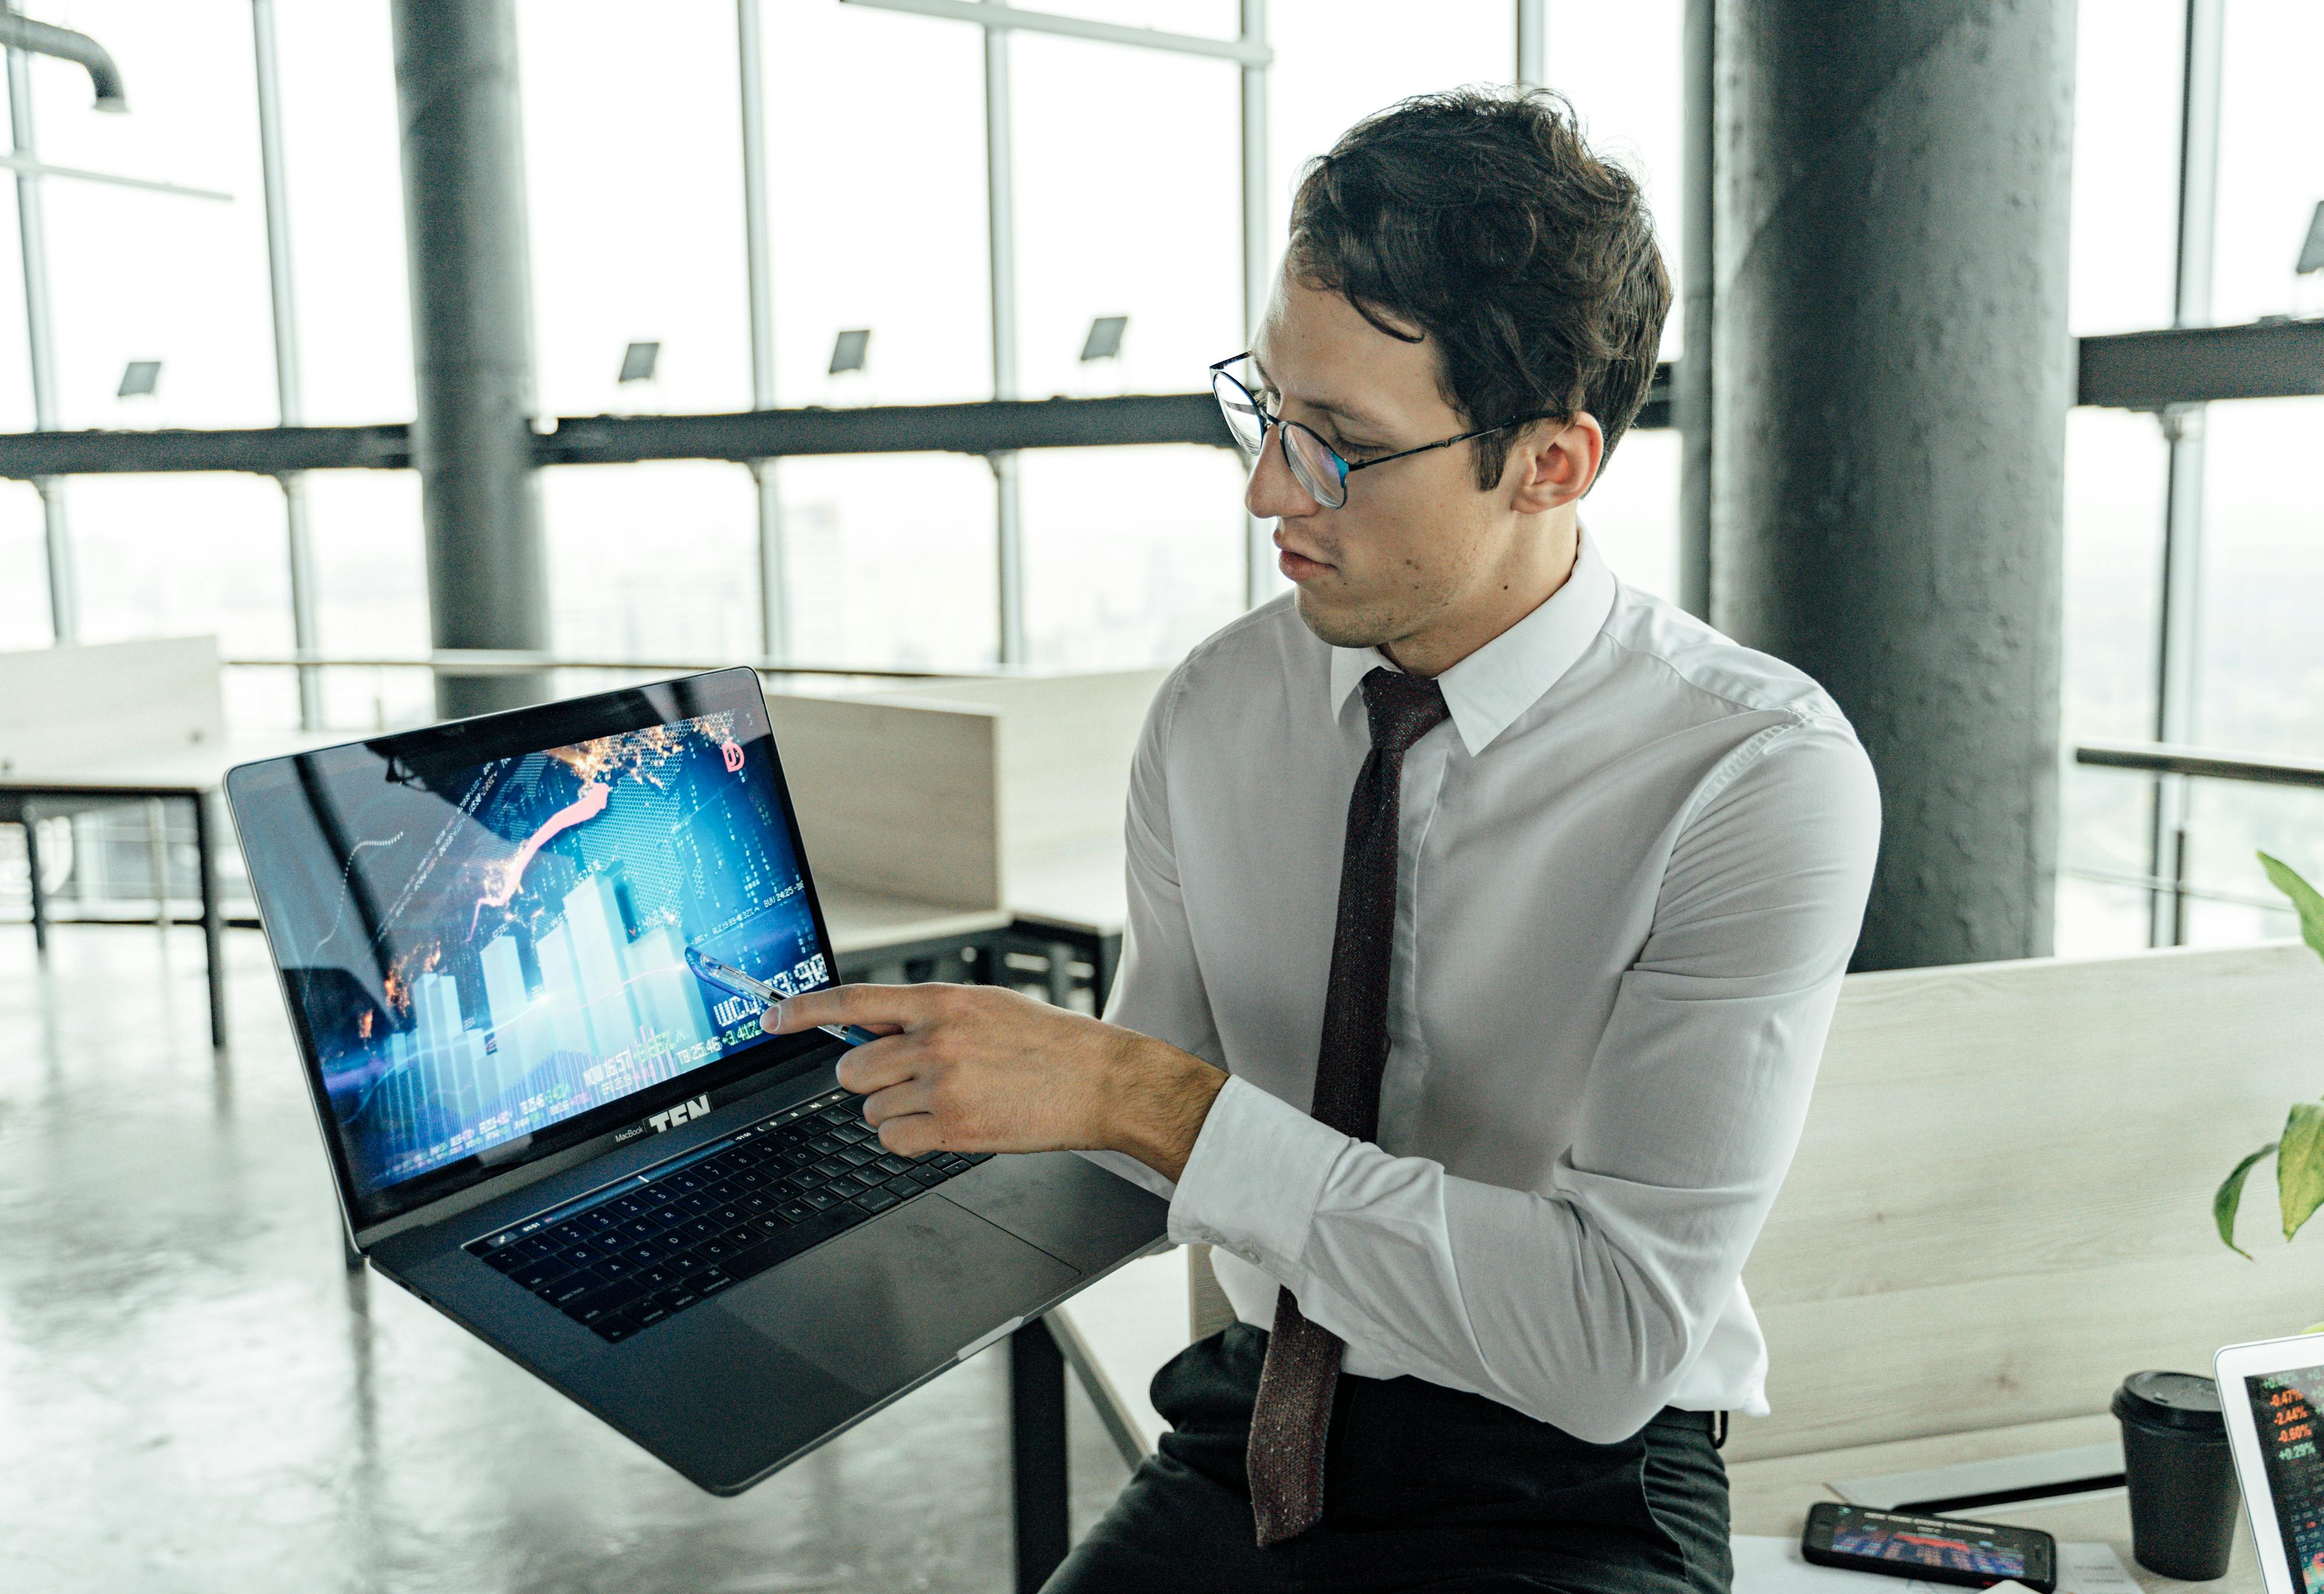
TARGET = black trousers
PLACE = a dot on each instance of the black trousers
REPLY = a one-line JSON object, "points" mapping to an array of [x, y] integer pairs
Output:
{"points": [[1425, 1487]]}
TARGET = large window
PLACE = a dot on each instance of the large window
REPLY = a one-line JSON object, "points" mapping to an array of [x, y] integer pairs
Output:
{"points": [[1127, 201], [2254, 534]]}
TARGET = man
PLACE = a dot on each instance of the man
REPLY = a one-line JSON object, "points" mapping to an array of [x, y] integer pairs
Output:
{"points": [[1533, 891]]}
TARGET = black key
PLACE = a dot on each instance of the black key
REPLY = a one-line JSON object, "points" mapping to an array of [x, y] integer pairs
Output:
{"points": [[695, 1205], [756, 1259], [687, 1263], [825, 1144], [952, 1160], [504, 1260], [894, 1165], [648, 1313], [877, 1200], [751, 1179], [819, 1200], [711, 1280], [572, 1287], [760, 1228], [632, 1205], [685, 1179], [975, 1157], [717, 1248], [539, 1276], [927, 1178], [855, 1156], [678, 1297], [725, 1190], [615, 1328], [583, 1254], [613, 1266], [902, 1187], [795, 1212], [666, 1212], [597, 1220], [756, 1202], [646, 1252], [589, 1308], [656, 1277], [702, 1228]]}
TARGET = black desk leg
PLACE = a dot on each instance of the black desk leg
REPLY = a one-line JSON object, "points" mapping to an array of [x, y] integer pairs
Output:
{"points": [[31, 824], [1036, 1444], [212, 916]]}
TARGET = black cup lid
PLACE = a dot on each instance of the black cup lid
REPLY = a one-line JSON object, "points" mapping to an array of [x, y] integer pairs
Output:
{"points": [[2171, 1400]]}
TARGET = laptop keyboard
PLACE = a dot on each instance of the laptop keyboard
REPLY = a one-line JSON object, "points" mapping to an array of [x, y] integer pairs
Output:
{"points": [[620, 1259]]}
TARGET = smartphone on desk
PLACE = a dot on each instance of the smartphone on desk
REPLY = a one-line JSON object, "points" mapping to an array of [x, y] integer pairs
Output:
{"points": [[1938, 1549]]}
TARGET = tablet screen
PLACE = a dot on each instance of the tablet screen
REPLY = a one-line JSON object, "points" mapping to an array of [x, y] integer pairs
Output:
{"points": [[2284, 1413]]}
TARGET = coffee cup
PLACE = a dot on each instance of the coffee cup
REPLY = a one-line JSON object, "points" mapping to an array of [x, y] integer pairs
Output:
{"points": [[2181, 1480]]}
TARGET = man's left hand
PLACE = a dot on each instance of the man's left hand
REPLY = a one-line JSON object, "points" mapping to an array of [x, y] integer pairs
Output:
{"points": [[980, 1068]]}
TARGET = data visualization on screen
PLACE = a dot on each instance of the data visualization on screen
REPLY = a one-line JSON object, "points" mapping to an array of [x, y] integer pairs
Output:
{"points": [[507, 947], [2284, 1406]]}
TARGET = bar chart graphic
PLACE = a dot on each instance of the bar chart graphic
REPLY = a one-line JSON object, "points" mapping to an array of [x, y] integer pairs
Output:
{"points": [[533, 938]]}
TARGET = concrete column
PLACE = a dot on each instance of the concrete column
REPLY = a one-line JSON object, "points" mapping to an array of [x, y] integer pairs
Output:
{"points": [[1891, 375], [472, 339]]}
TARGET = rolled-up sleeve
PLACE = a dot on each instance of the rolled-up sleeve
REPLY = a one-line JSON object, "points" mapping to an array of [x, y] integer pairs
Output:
{"points": [[1582, 1303]]}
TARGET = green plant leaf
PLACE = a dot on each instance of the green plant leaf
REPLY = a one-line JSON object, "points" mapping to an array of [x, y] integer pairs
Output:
{"points": [[2230, 1196], [2300, 1164], [2305, 898]]}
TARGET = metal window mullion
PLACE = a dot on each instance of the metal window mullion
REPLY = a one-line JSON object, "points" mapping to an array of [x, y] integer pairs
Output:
{"points": [[2179, 640], [290, 396], [1257, 262], [1000, 222], [1532, 47], [774, 592], [31, 232]]}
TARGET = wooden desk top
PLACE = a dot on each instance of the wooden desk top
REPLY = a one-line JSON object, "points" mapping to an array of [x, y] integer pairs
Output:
{"points": [[190, 768], [866, 921], [1773, 1496], [1085, 892]]}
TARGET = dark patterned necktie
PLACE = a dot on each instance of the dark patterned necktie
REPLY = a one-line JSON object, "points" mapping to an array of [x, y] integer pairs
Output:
{"points": [[1293, 1412]]}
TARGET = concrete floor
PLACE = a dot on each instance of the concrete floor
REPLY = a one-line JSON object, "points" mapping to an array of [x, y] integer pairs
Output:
{"points": [[194, 1396]]}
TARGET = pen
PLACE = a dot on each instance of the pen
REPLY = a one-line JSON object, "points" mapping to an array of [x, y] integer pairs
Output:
{"points": [[742, 983]]}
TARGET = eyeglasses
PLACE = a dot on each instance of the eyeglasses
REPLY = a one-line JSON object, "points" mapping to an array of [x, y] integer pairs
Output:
{"points": [[1321, 474]]}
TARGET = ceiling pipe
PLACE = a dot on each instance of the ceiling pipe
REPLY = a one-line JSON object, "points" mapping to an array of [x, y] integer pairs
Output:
{"points": [[22, 32]]}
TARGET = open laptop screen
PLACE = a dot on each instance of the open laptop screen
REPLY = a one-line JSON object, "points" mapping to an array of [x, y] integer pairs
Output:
{"points": [[483, 927]]}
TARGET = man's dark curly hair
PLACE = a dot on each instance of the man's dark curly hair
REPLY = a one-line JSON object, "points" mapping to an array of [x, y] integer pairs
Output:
{"points": [[1481, 219]]}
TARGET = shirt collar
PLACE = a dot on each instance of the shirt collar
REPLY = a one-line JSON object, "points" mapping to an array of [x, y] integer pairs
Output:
{"points": [[1486, 690]]}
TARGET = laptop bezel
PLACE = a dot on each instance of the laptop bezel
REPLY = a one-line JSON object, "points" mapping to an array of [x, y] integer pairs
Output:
{"points": [[2230, 1367], [479, 739]]}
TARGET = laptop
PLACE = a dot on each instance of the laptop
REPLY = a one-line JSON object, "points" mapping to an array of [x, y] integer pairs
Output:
{"points": [[545, 1122]]}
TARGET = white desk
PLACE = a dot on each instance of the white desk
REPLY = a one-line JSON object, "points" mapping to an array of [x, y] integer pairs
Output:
{"points": [[193, 772], [1773, 1496]]}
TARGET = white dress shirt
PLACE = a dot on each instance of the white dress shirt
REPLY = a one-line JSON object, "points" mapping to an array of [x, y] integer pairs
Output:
{"points": [[1631, 867]]}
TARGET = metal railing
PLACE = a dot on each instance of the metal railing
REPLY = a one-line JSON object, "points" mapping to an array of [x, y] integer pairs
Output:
{"points": [[2170, 891]]}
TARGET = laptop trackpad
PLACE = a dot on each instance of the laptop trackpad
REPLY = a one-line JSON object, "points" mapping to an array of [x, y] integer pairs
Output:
{"points": [[888, 1303]]}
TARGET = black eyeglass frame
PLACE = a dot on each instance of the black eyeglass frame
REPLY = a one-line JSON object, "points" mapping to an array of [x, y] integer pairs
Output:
{"points": [[1342, 468]]}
